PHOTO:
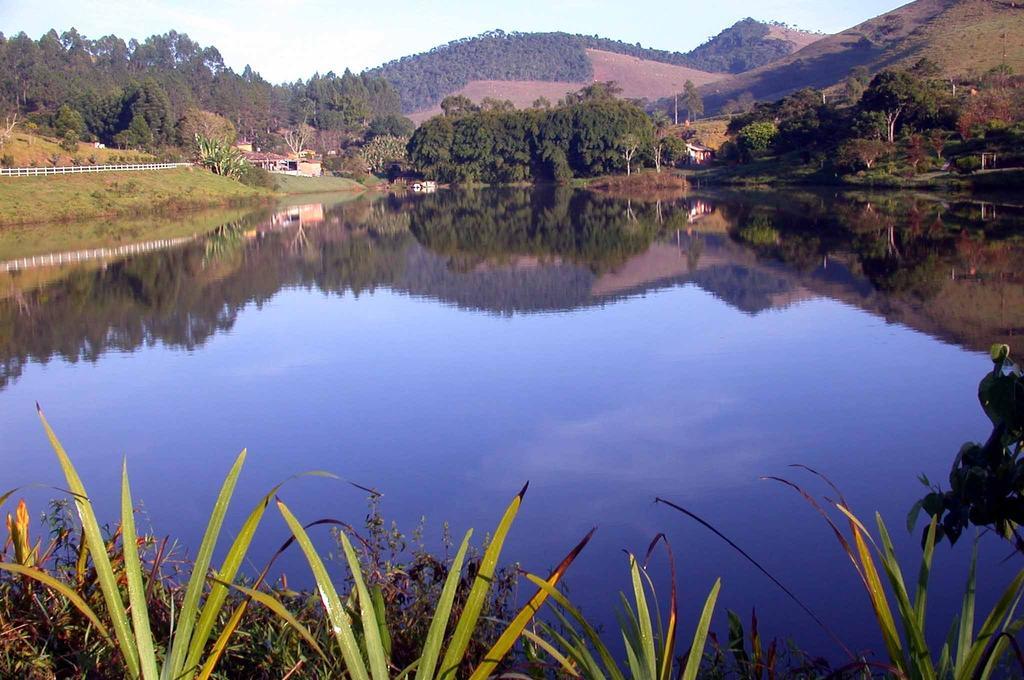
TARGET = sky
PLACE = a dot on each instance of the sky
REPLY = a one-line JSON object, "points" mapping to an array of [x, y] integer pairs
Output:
{"points": [[290, 39]]}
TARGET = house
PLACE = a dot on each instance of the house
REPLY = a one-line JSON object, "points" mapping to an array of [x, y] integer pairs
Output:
{"points": [[286, 165], [698, 154], [308, 215]]}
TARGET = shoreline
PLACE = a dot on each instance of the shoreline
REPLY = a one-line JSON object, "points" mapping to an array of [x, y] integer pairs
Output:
{"points": [[26, 201]]}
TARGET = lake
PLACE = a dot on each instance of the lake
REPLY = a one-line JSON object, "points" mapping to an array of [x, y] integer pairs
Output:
{"points": [[447, 348]]}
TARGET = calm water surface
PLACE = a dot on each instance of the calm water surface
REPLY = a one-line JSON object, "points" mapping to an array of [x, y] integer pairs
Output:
{"points": [[447, 348]]}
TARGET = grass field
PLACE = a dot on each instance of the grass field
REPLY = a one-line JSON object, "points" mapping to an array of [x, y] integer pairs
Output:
{"points": [[25, 200], [290, 184], [27, 150], [26, 240]]}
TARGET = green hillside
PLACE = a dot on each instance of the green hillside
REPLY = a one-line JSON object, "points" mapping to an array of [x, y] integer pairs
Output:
{"points": [[963, 37], [422, 80]]}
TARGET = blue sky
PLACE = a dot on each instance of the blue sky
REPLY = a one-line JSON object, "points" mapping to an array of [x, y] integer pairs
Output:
{"points": [[288, 39]]}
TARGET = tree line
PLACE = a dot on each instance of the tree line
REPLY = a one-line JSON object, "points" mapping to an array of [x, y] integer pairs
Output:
{"points": [[911, 119], [137, 94], [589, 133], [422, 80]]}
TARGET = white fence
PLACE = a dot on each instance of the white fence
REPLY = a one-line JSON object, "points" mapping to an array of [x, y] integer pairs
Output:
{"points": [[75, 169], [55, 259]]}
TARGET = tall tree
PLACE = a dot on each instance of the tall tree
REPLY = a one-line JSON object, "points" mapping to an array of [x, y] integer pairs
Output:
{"points": [[891, 93], [692, 100]]}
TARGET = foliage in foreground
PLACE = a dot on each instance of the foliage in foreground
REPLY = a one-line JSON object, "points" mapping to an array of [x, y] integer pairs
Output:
{"points": [[987, 480], [219, 156], [650, 644], [969, 652], [184, 652]]}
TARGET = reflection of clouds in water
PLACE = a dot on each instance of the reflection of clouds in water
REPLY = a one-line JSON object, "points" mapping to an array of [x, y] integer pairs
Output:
{"points": [[647, 448], [272, 367]]}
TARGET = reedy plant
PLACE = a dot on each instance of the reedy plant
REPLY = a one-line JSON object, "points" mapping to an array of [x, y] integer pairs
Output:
{"points": [[193, 624], [650, 642], [359, 625], [969, 652], [220, 157]]}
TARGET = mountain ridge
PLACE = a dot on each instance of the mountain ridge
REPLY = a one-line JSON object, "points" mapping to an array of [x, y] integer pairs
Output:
{"points": [[424, 79], [958, 36]]}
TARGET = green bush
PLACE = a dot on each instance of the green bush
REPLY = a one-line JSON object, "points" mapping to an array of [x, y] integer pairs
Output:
{"points": [[251, 176], [968, 164]]}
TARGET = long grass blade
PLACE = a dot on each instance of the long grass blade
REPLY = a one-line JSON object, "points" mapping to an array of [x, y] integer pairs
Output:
{"points": [[197, 581], [990, 627], [229, 569], [63, 589], [700, 636], [789, 593], [645, 631], [98, 549], [965, 634], [591, 633], [136, 589], [275, 605], [669, 636], [908, 614], [439, 624], [564, 664], [456, 651], [221, 643], [921, 596], [501, 647], [876, 593], [341, 625], [576, 651], [367, 613]]}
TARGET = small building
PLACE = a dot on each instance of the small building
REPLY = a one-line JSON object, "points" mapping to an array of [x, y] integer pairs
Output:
{"points": [[286, 165], [308, 215], [698, 154], [244, 145]]}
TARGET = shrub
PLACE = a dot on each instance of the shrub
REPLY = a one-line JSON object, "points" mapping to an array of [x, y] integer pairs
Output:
{"points": [[968, 164], [7, 160], [757, 137], [251, 176], [220, 157], [69, 141]]}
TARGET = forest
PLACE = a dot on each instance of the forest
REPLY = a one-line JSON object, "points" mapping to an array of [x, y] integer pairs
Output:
{"points": [[136, 94], [892, 126], [423, 80], [588, 134]]}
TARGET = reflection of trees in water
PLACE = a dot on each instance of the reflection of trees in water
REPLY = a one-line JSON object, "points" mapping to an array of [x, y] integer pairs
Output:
{"points": [[521, 250], [473, 227], [903, 245], [932, 264], [182, 297]]}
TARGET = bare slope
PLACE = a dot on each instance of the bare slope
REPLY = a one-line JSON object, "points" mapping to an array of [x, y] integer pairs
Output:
{"points": [[639, 79], [962, 36]]}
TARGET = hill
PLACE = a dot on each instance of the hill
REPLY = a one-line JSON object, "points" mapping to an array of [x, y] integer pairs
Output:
{"points": [[639, 79], [963, 37], [423, 80]]}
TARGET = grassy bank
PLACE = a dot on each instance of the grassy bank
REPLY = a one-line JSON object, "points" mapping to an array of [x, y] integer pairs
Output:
{"points": [[26, 240], [25, 200], [289, 184], [27, 150]]}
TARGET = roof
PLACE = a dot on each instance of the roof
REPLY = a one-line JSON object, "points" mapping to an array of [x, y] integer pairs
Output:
{"points": [[697, 147], [266, 157]]}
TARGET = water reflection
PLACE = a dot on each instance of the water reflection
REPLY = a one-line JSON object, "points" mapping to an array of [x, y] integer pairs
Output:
{"points": [[947, 269], [608, 350]]}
